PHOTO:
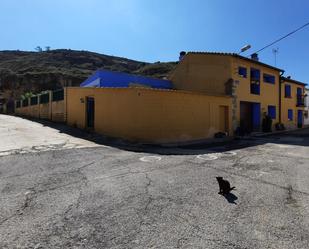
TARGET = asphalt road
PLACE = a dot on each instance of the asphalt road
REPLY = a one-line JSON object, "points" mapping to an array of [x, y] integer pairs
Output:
{"points": [[88, 195]]}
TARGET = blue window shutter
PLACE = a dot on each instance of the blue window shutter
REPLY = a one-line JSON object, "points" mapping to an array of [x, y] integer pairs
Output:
{"points": [[290, 114], [255, 81], [253, 73], [287, 90], [255, 89], [300, 99], [272, 111], [269, 78], [242, 71], [265, 78]]}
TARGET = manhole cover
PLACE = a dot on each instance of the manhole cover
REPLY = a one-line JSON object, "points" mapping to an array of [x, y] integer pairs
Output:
{"points": [[150, 159], [229, 153], [208, 157]]}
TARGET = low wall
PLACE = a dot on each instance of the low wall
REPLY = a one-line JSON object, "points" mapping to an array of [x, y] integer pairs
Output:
{"points": [[45, 111], [52, 110], [24, 111], [58, 111], [150, 115], [34, 111]]}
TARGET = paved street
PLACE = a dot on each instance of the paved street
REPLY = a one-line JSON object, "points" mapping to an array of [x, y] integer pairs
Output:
{"points": [[20, 136], [59, 191]]}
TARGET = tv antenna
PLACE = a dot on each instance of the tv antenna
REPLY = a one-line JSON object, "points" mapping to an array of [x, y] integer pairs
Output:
{"points": [[275, 52]]}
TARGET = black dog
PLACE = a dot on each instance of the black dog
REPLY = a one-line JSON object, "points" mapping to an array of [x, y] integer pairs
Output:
{"points": [[224, 186]]}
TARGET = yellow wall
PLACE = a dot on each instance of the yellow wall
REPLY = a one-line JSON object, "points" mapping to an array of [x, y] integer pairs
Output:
{"points": [[25, 110], [34, 111], [269, 93], [203, 73], [148, 115], [211, 73], [45, 111], [22, 111], [290, 103], [58, 111]]}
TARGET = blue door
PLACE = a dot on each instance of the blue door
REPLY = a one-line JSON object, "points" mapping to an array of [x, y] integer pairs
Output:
{"points": [[256, 116], [300, 119]]}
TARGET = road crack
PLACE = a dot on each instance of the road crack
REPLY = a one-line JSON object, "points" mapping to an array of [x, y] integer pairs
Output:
{"points": [[148, 185], [29, 196]]}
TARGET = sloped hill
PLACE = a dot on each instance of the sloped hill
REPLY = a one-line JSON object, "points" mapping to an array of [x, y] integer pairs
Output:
{"points": [[22, 71]]}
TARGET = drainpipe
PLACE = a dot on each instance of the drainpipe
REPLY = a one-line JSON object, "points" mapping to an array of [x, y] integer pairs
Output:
{"points": [[280, 82]]}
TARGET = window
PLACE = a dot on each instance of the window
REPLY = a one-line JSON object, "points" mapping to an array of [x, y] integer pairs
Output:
{"points": [[242, 71], [272, 111], [269, 78], [287, 91], [255, 74], [255, 81], [290, 114], [300, 97]]}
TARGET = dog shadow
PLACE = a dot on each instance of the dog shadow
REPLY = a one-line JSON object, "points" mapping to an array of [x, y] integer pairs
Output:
{"points": [[231, 198]]}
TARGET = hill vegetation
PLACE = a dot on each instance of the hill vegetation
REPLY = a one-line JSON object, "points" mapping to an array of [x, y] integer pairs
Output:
{"points": [[22, 71]]}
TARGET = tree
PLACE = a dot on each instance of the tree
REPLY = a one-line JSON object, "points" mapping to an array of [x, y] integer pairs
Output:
{"points": [[38, 49], [26, 95], [47, 48]]}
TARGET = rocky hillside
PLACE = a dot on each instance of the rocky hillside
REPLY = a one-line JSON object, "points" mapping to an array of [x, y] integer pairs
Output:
{"points": [[38, 71]]}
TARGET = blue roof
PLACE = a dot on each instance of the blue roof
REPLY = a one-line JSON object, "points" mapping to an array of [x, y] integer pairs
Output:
{"points": [[105, 78]]}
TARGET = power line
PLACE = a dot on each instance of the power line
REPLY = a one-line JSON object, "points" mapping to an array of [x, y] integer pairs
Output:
{"points": [[291, 33]]}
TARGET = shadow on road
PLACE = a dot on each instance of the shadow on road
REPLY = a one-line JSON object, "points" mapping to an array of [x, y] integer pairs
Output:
{"points": [[231, 198], [299, 137]]}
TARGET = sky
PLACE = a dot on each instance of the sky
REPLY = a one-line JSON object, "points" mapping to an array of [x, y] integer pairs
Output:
{"points": [[157, 30]]}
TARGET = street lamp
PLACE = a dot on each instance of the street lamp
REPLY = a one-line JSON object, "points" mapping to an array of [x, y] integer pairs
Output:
{"points": [[245, 48]]}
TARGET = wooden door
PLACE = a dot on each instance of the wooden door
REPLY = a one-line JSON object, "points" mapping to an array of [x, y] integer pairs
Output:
{"points": [[224, 118]]}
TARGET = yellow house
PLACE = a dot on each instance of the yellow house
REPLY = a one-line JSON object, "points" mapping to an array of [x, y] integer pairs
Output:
{"points": [[252, 85], [292, 103]]}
